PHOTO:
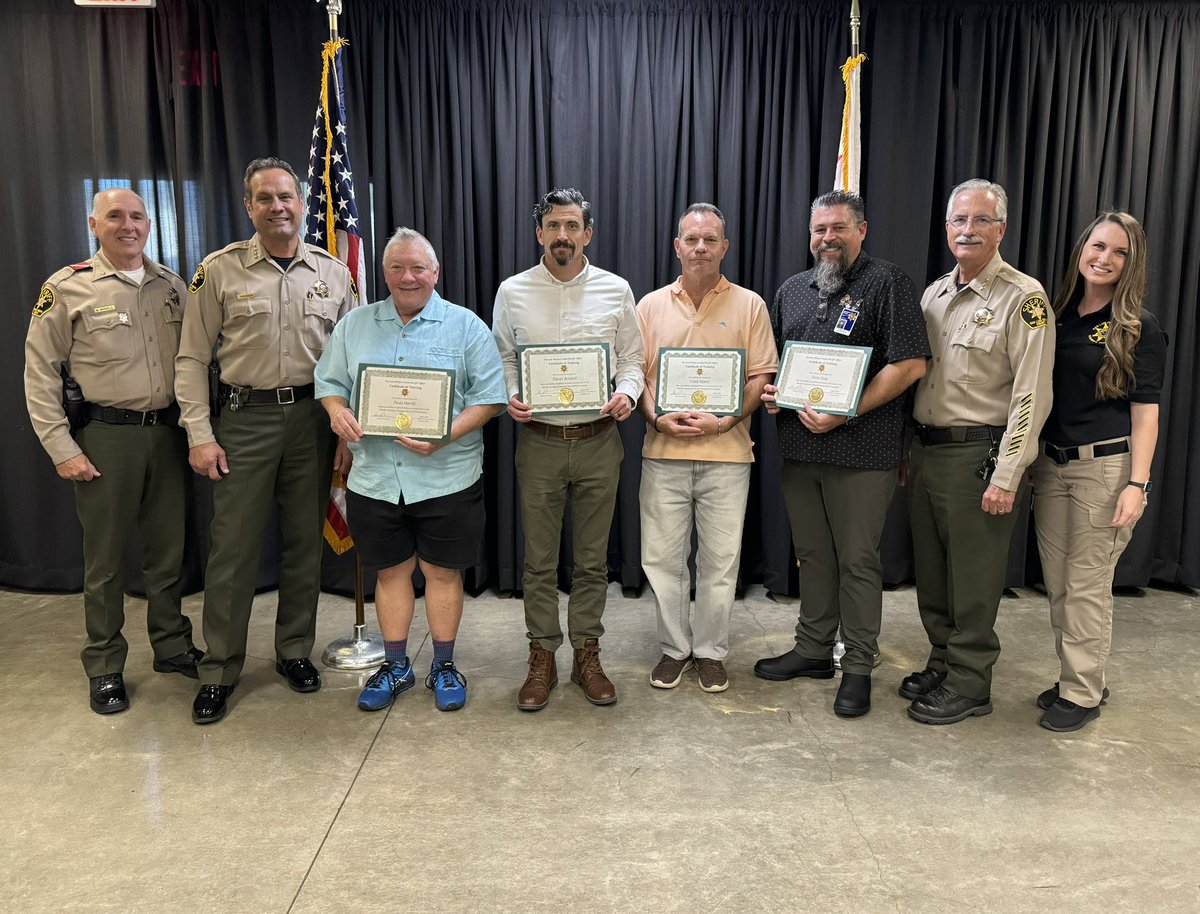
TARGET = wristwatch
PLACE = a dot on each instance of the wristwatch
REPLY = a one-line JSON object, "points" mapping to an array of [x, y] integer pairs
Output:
{"points": [[1144, 486]]}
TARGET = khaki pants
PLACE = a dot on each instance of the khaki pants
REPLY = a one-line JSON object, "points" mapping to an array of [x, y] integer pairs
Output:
{"points": [[275, 453], [837, 516], [142, 484], [1073, 505], [961, 555], [548, 469], [678, 497]]}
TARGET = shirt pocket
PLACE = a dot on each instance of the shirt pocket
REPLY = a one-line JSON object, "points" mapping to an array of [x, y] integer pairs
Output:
{"points": [[970, 355], [174, 322], [110, 335], [249, 324], [320, 314], [446, 357]]}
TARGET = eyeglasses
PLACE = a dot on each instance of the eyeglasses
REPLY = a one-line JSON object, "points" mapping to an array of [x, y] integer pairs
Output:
{"points": [[979, 221]]}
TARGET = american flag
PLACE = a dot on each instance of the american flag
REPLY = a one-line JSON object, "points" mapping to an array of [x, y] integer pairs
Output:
{"points": [[333, 224]]}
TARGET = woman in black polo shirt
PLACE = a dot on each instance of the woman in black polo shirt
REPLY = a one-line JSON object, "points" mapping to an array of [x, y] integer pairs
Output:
{"points": [[1092, 478]]}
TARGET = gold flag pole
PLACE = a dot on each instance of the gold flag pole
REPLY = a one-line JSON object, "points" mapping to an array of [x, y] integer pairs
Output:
{"points": [[360, 650]]}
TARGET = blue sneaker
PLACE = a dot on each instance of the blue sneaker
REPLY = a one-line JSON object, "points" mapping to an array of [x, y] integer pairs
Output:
{"points": [[449, 686], [389, 680]]}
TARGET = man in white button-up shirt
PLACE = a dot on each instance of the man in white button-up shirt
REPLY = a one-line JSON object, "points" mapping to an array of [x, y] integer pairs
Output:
{"points": [[565, 299]]}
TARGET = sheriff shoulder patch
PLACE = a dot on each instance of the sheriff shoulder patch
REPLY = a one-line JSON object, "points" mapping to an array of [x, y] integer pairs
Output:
{"points": [[45, 302], [197, 280], [1033, 312]]}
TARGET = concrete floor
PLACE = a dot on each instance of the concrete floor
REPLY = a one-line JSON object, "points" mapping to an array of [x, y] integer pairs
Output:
{"points": [[757, 799]]}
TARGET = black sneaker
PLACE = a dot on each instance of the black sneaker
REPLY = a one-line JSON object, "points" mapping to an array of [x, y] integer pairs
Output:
{"points": [[1050, 696], [1064, 716]]}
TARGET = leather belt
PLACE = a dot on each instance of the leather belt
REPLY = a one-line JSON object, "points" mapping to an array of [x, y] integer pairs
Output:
{"points": [[571, 432], [959, 433], [1063, 455], [112, 415], [248, 396]]}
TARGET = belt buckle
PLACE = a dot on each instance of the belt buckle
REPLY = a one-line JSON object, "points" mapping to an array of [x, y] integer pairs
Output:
{"points": [[291, 396], [150, 417], [1059, 454], [574, 432]]}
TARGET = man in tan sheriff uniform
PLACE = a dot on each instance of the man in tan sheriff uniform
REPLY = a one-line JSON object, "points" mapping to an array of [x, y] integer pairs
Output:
{"points": [[979, 410], [268, 306], [114, 320]]}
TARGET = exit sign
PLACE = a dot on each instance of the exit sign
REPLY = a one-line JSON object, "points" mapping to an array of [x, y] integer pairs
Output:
{"points": [[128, 4]]}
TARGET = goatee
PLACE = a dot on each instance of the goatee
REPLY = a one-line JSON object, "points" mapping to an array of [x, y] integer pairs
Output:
{"points": [[831, 274]]}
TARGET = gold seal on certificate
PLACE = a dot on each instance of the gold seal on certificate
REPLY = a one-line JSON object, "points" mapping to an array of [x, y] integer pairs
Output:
{"points": [[564, 377], [711, 380], [415, 402], [826, 377]]}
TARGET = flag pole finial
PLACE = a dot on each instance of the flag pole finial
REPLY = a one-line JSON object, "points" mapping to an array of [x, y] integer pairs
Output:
{"points": [[334, 8], [855, 25]]}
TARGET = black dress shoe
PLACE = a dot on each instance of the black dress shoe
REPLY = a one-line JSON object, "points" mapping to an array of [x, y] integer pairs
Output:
{"points": [[790, 665], [941, 706], [184, 663], [301, 675], [853, 695], [106, 694], [211, 704], [1064, 716], [914, 685], [1050, 696]]}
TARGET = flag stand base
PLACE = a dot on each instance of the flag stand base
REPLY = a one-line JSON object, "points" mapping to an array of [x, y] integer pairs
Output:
{"points": [[360, 651]]}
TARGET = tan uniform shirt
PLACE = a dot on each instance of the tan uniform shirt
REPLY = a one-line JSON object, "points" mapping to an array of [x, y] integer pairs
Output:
{"points": [[269, 326], [729, 317], [993, 354], [118, 339]]}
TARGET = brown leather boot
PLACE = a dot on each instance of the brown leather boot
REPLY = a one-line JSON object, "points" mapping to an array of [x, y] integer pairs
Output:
{"points": [[543, 676], [589, 675]]}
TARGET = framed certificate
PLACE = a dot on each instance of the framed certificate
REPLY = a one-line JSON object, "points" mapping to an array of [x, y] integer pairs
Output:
{"points": [[827, 377], [564, 378], [709, 380], [415, 402]]}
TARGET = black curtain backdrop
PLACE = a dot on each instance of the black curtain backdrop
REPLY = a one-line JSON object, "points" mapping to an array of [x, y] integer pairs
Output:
{"points": [[463, 112]]}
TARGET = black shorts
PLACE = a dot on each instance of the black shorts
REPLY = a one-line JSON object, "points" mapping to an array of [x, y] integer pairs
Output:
{"points": [[443, 531]]}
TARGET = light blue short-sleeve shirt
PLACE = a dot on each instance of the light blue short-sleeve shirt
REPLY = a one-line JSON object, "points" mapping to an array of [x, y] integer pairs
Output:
{"points": [[442, 335]]}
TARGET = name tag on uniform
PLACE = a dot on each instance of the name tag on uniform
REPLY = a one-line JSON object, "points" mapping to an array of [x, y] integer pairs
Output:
{"points": [[103, 309], [242, 296], [846, 321]]}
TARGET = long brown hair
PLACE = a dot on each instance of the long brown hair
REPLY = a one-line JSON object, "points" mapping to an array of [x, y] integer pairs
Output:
{"points": [[1115, 379]]}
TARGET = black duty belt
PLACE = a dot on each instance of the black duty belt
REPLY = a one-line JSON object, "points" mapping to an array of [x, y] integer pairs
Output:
{"points": [[239, 397], [959, 433], [112, 415], [1061, 455], [571, 432]]}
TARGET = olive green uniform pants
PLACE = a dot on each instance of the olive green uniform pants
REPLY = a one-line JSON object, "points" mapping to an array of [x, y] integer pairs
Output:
{"points": [[142, 484], [961, 557], [275, 453]]}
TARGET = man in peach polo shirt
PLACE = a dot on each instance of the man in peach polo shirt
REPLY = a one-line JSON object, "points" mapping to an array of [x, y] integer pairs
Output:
{"points": [[696, 465]]}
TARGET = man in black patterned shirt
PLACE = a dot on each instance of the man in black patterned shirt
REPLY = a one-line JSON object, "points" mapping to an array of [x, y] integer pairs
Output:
{"points": [[839, 473]]}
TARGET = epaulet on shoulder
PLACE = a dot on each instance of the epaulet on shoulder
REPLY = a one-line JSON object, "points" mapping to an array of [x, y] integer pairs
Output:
{"points": [[321, 252], [228, 249], [1025, 283], [69, 271]]}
